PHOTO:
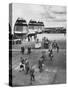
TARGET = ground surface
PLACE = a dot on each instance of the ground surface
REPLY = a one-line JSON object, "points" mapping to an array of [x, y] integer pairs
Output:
{"points": [[54, 71]]}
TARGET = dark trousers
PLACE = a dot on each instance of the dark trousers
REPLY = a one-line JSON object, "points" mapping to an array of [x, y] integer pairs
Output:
{"points": [[32, 77], [40, 68], [27, 70]]}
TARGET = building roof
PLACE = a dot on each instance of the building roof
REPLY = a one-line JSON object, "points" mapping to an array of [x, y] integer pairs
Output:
{"points": [[40, 23], [32, 23], [21, 22], [35, 23]]}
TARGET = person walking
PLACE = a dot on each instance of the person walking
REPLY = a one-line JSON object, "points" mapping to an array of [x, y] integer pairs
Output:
{"points": [[22, 50], [27, 66], [40, 65], [50, 54], [29, 49], [32, 75]]}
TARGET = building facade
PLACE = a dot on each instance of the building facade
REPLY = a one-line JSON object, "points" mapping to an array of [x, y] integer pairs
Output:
{"points": [[35, 26], [40, 26], [20, 27]]}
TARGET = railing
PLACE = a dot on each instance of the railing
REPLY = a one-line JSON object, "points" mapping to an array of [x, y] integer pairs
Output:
{"points": [[16, 41]]}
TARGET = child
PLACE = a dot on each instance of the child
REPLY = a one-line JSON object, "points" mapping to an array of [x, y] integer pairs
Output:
{"points": [[22, 66], [50, 54]]}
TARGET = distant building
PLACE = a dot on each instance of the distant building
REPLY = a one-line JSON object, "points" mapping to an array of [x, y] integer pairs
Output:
{"points": [[20, 27], [35, 26], [40, 26], [32, 25], [55, 30]]}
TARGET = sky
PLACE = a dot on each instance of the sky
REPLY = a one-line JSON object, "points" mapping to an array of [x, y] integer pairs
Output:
{"points": [[51, 15]]}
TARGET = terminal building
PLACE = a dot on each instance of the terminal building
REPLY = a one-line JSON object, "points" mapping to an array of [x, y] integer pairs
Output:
{"points": [[35, 26], [40, 26], [20, 28], [32, 25]]}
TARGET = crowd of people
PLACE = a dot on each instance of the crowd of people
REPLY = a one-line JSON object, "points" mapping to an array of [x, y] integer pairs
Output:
{"points": [[25, 63]]}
